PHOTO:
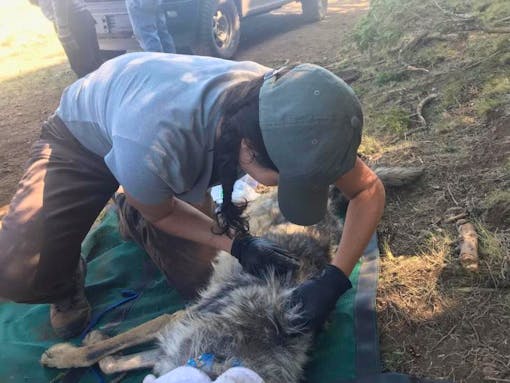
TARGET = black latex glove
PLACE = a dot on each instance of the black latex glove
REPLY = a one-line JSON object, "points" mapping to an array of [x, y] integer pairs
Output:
{"points": [[257, 255], [317, 297]]}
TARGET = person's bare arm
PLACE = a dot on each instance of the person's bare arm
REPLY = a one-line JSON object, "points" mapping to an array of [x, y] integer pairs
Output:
{"points": [[319, 295], [179, 218], [366, 194]]}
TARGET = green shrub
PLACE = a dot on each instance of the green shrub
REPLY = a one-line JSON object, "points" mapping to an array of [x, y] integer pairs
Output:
{"points": [[386, 77], [394, 121], [494, 94]]}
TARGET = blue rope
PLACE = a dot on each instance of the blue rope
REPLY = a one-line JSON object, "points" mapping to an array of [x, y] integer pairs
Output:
{"points": [[128, 295]]}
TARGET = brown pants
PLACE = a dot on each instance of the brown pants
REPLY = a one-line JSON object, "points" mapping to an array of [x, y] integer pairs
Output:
{"points": [[63, 190], [187, 265]]}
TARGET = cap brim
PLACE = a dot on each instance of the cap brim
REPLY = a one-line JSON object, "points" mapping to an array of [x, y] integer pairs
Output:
{"points": [[302, 203]]}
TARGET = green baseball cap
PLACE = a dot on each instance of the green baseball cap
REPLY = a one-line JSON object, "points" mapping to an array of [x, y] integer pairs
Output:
{"points": [[311, 124]]}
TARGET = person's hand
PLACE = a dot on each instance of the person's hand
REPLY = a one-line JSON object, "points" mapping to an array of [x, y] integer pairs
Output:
{"points": [[317, 298], [256, 255]]}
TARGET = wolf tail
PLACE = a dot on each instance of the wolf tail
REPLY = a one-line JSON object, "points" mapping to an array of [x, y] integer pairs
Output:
{"points": [[398, 176]]}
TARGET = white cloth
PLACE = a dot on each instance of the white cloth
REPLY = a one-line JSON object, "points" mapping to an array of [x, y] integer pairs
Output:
{"points": [[244, 191], [187, 374]]}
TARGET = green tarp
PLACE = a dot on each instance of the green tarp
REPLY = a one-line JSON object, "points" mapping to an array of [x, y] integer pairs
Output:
{"points": [[113, 267]]}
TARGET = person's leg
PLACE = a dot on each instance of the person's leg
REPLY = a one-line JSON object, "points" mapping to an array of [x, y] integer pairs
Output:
{"points": [[144, 23], [187, 265], [83, 29], [167, 41], [61, 193], [81, 47]]}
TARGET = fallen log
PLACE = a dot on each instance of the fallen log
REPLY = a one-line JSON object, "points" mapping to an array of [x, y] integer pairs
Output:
{"points": [[421, 105], [468, 240]]}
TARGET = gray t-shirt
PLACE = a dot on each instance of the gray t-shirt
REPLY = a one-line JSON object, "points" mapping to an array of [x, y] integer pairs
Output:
{"points": [[153, 117]]}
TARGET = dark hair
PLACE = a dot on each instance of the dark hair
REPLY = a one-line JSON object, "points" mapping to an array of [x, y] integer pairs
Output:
{"points": [[240, 120]]}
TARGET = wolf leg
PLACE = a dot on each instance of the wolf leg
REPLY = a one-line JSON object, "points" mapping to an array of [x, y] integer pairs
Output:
{"points": [[119, 363], [65, 355]]}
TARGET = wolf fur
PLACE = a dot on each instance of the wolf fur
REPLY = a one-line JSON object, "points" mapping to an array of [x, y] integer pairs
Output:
{"points": [[240, 318], [237, 317]]}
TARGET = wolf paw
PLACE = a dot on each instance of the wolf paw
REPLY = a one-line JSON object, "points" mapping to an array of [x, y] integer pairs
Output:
{"points": [[63, 355]]}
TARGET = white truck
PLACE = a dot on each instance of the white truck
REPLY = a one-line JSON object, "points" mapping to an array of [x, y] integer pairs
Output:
{"points": [[205, 27]]}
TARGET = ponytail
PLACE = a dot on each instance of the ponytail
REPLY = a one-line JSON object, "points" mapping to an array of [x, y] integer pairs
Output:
{"points": [[241, 120]]}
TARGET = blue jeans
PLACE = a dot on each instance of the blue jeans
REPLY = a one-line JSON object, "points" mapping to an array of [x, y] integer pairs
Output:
{"points": [[149, 26]]}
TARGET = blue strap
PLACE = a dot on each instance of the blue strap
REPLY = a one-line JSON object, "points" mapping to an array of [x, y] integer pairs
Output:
{"points": [[204, 362], [128, 295]]}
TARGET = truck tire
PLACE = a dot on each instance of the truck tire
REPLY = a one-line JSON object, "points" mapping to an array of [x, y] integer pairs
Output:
{"points": [[314, 10], [218, 29]]}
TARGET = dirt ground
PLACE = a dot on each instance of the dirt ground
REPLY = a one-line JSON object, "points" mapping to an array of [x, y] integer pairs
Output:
{"points": [[434, 320]]}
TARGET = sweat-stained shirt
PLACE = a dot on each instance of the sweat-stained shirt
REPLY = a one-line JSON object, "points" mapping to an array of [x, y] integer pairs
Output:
{"points": [[153, 117]]}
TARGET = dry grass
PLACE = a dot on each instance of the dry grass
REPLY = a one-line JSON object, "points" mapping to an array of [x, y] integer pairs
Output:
{"points": [[409, 284], [430, 326], [437, 320]]}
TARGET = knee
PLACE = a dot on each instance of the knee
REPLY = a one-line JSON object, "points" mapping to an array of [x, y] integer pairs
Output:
{"points": [[14, 284], [17, 278]]}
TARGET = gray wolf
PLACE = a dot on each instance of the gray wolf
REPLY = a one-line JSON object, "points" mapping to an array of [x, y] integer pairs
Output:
{"points": [[238, 318]]}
